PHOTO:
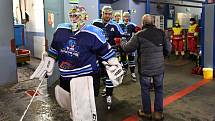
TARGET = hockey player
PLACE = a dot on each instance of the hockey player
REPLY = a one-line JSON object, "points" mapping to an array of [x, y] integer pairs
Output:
{"points": [[76, 47], [129, 28], [178, 39], [192, 38], [113, 34]]}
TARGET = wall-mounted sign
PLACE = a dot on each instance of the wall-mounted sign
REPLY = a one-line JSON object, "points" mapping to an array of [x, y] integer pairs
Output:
{"points": [[171, 11], [73, 1], [133, 11], [51, 19]]}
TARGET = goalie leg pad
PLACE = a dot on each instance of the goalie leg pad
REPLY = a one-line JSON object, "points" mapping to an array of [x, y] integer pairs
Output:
{"points": [[63, 98], [82, 99]]}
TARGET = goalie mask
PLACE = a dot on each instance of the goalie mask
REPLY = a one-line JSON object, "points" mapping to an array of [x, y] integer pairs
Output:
{"points": [[78, 16]]}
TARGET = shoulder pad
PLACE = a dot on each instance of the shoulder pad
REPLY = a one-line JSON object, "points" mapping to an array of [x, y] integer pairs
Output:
{"points": [[120, 22], [112, 22], [98, 32], [97, 20], [132, 23], [117, 26], [64, 26]]}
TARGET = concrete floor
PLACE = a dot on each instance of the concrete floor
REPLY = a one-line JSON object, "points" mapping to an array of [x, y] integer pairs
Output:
{"points": [[198, 105]]}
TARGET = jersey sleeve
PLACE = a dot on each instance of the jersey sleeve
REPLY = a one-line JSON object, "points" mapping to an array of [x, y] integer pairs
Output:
{"points": [[119, 32], [55, 45], [105, 51], [54, 48], [102, 47], [96, 22], [135, 28], [99, 44]]}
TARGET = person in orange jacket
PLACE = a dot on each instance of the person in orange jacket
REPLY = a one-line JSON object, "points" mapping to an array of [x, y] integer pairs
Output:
{"points": [[192, 38], [178, 39]]}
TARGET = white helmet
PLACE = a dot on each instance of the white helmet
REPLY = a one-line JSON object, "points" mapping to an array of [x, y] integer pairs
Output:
{"points": [[126, 14], [117, 14], [78, 16], [107, 9]]}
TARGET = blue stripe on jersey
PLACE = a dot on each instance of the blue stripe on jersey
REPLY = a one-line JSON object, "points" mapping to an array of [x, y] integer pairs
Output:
{"points": [[84, 73], [76, 72], [131, 63], [108, 83], [64, 26], [53, 51], [97, 20], [110, 51], [98, 32], [110, 54]]}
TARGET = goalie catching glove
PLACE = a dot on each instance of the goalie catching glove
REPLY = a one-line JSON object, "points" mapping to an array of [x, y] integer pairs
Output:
{"points": [[46, 66], [114, 71]]}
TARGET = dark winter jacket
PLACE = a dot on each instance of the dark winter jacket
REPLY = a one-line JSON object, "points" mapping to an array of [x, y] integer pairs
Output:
{"points": [[151, 46]]}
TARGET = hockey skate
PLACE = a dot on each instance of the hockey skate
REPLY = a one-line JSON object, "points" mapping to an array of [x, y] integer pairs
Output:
{"points": [[125, 71], [133, 76], [103, 93], [109, 102]]}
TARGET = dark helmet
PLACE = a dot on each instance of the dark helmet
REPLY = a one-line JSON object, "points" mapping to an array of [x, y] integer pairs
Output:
{"points": [[193, 19]]}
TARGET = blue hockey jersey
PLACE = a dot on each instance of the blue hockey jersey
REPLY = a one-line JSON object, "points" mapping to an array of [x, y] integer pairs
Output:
{"points": [[111, 30], [77, 52], [128, 29]]}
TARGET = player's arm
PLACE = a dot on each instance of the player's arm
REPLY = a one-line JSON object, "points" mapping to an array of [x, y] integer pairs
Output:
{"points": [[131, 45], [47, 62], [113, 67]]}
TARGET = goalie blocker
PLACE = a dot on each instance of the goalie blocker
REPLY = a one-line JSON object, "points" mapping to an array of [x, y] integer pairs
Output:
{"points": [[45, 67], [114, 71]]}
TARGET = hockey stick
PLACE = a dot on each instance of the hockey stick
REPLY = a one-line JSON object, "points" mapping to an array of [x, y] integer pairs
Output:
{"points": [[42, 79]]}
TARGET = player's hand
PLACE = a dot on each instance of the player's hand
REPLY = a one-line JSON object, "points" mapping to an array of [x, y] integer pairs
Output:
{"points": [[45, 67]]}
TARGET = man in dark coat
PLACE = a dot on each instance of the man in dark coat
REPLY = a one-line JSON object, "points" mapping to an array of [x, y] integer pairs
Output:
{"points": [[152, 47]]}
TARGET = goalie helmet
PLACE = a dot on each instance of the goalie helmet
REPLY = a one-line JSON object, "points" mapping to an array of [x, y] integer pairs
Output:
{"points": [[78, 16]]}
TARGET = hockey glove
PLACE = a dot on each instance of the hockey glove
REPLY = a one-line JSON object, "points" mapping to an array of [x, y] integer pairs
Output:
{"points": [[45, 67], [114, 71], [117, 41]]}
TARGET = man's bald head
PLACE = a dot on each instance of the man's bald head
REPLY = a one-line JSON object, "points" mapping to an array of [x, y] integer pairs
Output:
{"points": [[147, 19]]}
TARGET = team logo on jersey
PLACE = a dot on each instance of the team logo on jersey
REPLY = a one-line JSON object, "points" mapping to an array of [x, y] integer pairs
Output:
{"points": [[71, 48], [65, 65], [112, 29]]}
